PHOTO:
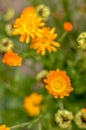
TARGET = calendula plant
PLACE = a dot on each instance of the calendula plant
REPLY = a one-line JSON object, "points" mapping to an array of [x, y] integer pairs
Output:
{"points": [[43, 66]]}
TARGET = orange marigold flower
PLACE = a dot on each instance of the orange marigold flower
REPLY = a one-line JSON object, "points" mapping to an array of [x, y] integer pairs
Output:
{"points": [[32, 104], [28, 25], [12, 59], [68, 26], [58, 83], [46, 41], [4, 127]]}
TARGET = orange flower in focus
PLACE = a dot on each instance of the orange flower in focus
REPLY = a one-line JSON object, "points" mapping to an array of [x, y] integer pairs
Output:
{"points": [[46, 41], [32, 104], [3, 127], [68, 26], [58, 84], [12, 59], [28, 25]]}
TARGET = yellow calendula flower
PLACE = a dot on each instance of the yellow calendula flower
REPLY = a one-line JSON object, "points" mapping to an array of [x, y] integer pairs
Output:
{"points": [[32, 104], [58, 83], [28, 25], [4, 127], [46, 41]]}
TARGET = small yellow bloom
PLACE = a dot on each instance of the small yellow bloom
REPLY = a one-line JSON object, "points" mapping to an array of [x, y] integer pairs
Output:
{"points": [[28, 25], [9, 14], [64, 118], [46, 41], [81, 40], [58, 84], [80, 118], [6, 44], [43, 11], [4, 127], [32, 104]]}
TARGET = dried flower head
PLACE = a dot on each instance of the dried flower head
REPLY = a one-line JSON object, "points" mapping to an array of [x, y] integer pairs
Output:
{"points": [[46, 41], [32, 104], [4, 127], [64, 118], [80, 118], [6, 44], [68, 26], [81, 40], [28, 25], [43, 11], [12, 59], [58, 84]]}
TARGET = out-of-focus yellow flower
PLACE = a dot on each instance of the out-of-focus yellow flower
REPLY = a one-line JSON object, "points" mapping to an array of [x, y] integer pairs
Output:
{"points": [[4, 127], [43, 11], [6, 44], [28, 25], [12, 59], [64, 118], [8, 29], [58, 84], [9, 14], [46, 41], [82, 40], [80, 118], [32, 104]]}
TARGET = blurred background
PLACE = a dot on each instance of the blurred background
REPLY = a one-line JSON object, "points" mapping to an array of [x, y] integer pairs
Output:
{"points": [[18, 82]]}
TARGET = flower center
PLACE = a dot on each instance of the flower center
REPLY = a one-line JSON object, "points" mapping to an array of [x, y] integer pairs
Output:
{"points": [[83, 119], [57, 84]]}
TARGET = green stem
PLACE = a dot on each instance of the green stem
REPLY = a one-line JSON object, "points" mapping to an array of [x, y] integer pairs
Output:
{"points": [[61, 105], [63, 36], [30, 123]]}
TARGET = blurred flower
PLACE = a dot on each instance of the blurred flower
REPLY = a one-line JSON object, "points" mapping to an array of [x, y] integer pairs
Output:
{"points": [[80, 118], [28, 25], [9, 14], [46, 41], [12, 59], [41, 75], [29, 9], [64, 118], [6, 44], [68, 26], [82, 40], [32, 104], [43, 11], [4, 127], [8, 29], [58, 84]]}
